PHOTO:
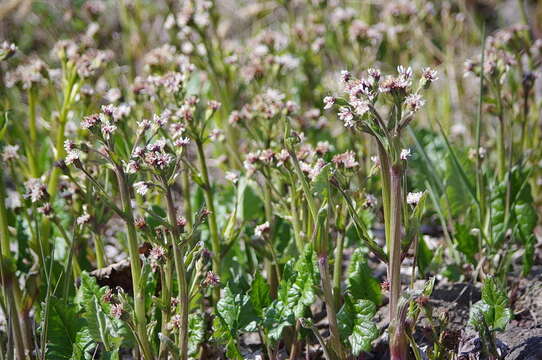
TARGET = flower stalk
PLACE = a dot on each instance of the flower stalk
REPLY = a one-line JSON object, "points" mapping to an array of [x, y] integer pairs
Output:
{"points": [[321, 248], [8, 280], [133, 252], [180, 268], [359, 112], [213, 227]]}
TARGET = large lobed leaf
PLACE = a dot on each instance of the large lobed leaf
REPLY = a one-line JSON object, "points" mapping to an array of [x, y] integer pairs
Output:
{"points": [[356, 325], [67, 336], [297, 291], [523, 216], [492, 311], [360, 283]]}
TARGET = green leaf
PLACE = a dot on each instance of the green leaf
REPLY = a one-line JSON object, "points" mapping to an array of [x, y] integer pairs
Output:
{"points": [[235, 311], [320, 184], [457, 189], [110, 355], [259, 294], [359, 281], [492, 311], [224, 335], [466, 242], [3, 124], [88, 289], [529, 254], [413, 226], [302, 291], [170, 344], [523, 216], [67, 337], [356, 325], [424, 255], [196, 332], [101, 326], [296, 292], [250, 204], [276, 318]]}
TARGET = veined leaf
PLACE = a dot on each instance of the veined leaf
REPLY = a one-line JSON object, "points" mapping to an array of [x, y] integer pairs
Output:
{"points": [[224, 335], [302, 291], [234, 314], [277, 317], [359, 281], [259, 294], [67, 336], [492, 311], [522, 218], [356, 325], [296, 292], [101, 326], [235, 310], [250, 204], [466, 242], [196, 332], [457, 190]]}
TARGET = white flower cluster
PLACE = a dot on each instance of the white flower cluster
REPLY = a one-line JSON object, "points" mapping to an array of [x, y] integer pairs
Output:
{"points": [[361, 94]]}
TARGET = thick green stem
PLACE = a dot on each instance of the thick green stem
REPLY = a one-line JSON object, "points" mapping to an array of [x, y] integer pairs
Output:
{"points": [[321, 247], [337, 265], [213, 228], [398, 337], [480, 188], [133, 250], [180, 269], [4, 232], [501, 151], [270, 266], [187, 200], [295, 214], [165, 281], [394, 269], [331, 311], [306, 189], [9, 284], [52, 187], [16, 325]]}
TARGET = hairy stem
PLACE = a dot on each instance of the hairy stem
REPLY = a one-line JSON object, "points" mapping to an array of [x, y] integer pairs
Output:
{"points": [[394, 269], [480, 188], [9, 284], [335, 339], [321, 248], [337, 265], [133, 250], [187, 199], [270, 266], [180, 269], [213, 228]]}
